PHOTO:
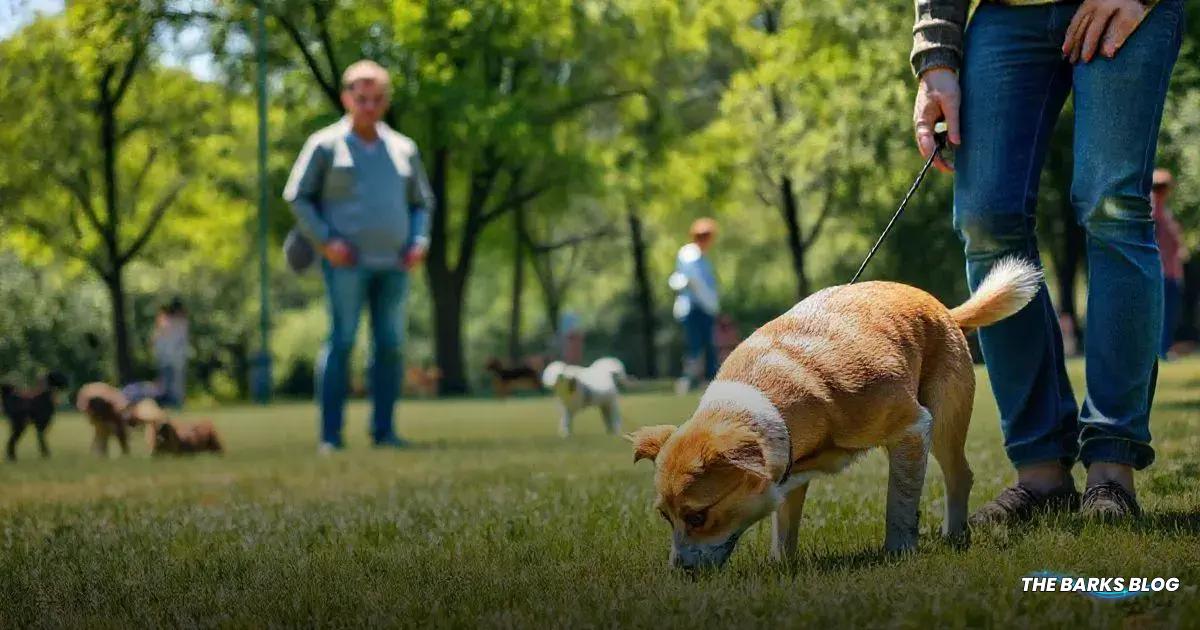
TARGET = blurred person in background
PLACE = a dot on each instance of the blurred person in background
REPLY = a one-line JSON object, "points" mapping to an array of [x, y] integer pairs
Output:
{"points": [[360, 193], [728, 337], [696, 305], [170, 342], [999, 86], [1171, 250]]}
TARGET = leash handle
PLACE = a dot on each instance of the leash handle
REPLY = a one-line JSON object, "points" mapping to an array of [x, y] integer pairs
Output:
{"points": [[940, 138]]}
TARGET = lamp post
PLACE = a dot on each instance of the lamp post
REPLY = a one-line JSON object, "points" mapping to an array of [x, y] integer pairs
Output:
{"points": [[260, 374]]}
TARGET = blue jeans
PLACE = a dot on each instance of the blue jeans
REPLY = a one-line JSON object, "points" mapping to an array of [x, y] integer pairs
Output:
{"points": [[701, 351], [1014, 83], [1172, 308], [384, 292]]}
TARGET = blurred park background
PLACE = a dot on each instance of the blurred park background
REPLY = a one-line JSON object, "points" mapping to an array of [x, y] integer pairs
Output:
{"points": [[570, 143]]}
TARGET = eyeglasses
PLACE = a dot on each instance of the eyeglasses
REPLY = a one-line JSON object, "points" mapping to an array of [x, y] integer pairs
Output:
{"points": [[375, 101]]}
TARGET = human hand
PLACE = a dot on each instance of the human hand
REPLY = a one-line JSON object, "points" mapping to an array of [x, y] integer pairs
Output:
{"points": [[938, 98], [1102, 25], [338, 252], [415, 255]]}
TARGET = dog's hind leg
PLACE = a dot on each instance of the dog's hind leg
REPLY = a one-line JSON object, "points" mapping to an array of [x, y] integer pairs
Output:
{"points": [[18, 427], [41, 438], [786, 524], [949, 442], [907, 457], [612, 417]]}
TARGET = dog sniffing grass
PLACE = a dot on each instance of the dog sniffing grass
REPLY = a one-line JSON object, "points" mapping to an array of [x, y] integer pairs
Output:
{"points": [[494, 521]]}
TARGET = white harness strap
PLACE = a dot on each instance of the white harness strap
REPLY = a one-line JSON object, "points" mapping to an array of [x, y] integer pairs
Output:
{"points": [[763, 413]]}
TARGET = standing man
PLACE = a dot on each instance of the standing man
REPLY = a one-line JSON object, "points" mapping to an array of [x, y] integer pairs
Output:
{"points": [[999, 86], [696, 305], [1170, 248], [359, 192]]}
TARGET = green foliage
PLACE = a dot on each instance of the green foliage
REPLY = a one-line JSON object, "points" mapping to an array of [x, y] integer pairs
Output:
{"points": [[48, 324]]}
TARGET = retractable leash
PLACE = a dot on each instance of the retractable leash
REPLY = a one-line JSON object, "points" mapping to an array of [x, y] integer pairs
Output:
{"points": [[940, 139]]}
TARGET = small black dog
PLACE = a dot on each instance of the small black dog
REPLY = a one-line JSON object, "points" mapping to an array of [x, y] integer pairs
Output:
{"points": [[36, 405]]}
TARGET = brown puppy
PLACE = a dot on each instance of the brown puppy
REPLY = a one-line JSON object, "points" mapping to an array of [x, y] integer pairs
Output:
{"points": [[421, 381], [111, 415], [181, 438], [506, 380], [848, 369]]}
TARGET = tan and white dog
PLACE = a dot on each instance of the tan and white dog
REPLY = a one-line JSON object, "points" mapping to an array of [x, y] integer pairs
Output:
{"points": [[578, 388], [848, 369]]}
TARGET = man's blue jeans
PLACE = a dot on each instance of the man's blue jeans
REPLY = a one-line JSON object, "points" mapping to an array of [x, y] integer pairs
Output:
{"points": [[1014, 83], [384, 292], [701, 351]]}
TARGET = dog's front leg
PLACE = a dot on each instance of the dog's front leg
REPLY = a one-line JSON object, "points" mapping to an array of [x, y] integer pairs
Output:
{"points": [[100, 439], [123, 437], [564, 427], [786, 524], [907, 456]]}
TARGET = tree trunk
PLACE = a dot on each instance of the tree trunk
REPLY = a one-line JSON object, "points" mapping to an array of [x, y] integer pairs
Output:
{"points": [[795, 241], [645, 294], [120, 325], [448, 344], [518, 287], [445, 287]]}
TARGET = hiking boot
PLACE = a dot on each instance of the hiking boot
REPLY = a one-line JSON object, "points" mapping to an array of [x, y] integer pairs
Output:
{"points": [[1110, 501], [1019, 503]]}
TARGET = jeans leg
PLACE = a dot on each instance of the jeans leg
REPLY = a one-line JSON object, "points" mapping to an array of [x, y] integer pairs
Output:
{"points": [[1118, 109], [697, 332], [1014, 84], [387, 294], [1172, 302], [710, 349], [345, 291]]}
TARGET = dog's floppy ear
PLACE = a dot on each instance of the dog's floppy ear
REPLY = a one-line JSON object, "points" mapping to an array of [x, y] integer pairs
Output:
{"points": [[744, 451], [647, 441]]}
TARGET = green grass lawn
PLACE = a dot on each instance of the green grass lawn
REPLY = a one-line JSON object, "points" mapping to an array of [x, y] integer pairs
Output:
{"points": [[492, 520]]}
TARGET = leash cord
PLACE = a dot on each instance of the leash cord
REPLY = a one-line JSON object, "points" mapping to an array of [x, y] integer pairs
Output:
{"points": [[903, 203]]}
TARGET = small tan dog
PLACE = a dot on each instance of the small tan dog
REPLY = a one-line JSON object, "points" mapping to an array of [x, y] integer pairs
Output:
{"points": [[172, 437], [848, 369]]}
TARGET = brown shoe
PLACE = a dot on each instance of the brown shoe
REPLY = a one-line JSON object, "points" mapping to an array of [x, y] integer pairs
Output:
{"points": [[1018, 504], [1110, 501]]}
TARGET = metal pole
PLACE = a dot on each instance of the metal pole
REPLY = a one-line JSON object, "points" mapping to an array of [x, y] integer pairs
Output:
{"points": [[261, 379]]}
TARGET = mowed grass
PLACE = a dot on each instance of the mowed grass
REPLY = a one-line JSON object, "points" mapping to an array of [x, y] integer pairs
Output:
{"points": [[492, 520]]}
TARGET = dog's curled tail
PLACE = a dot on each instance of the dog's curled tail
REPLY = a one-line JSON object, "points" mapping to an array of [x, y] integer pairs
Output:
{"points": [[1009, 286]]}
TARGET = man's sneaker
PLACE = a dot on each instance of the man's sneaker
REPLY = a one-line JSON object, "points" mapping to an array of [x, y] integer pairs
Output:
{"points": [[325, 449], [1017, 504], [393, 442], [1110, 501]]}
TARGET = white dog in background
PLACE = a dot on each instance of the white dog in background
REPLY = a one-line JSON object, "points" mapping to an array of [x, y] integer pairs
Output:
{"points": [[578, 388]]}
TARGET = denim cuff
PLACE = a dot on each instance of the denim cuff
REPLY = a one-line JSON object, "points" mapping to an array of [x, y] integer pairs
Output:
{"points": [[1115, 450], [1027, 454]]}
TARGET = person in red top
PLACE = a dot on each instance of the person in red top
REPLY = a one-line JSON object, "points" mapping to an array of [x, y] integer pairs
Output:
{"points": [[1171, 250]]}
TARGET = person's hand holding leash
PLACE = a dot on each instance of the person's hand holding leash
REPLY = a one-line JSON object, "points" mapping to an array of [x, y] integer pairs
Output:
{"points": [[1103, 26], [938, 98], [339, 253], [414, 256]]}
